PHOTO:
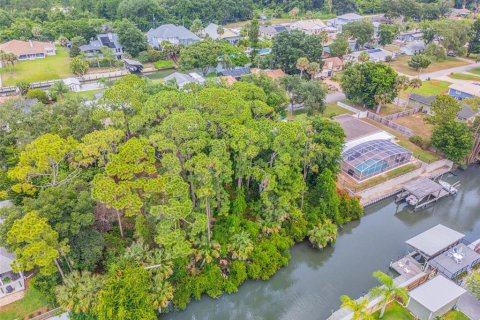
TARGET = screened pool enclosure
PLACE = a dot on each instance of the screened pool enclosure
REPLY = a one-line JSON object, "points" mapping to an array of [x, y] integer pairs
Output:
{"points": [[373, 157]]}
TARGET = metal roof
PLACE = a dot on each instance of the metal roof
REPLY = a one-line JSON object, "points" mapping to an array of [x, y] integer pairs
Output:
{"points": [[422, 187], [437, 293], [435, 240]]}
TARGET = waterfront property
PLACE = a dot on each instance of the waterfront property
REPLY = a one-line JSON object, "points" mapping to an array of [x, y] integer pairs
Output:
{"points": [[456, 261], [171, 33], [181, 79], [109, 40], [29, 50], [228, 34], [434, 298], [423, 191]]}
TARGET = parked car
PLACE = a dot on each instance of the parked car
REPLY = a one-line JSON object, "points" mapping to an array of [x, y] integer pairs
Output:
{"points": [[451, 54]]}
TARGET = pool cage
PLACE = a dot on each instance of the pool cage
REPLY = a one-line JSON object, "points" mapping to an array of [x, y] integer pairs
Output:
{"points": [[373, 157]]}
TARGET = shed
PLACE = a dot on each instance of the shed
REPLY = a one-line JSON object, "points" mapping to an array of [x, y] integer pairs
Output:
{"points": [[133, 66], [435, 240], [434, 298]]}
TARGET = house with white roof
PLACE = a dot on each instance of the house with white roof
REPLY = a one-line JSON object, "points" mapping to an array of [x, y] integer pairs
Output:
{"points": [[228, 34], [311, 26], [413, 48], [375, 55], [171, 33], [464, 90], [344, 19]]}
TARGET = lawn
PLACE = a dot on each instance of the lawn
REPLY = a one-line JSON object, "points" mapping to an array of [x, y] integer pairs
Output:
{"points": [[475, 71], [464, 76], [331, 110], [32, 301], [454, 315], [164, 64], [50, 68], [394, 311], [417, 123], [391, 108], [419, 153], [400, 64], [429, 88]]}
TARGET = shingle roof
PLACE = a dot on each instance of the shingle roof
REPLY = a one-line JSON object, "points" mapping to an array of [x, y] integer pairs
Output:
{"points": [[465, 113], [238, 72], [422, 99], [212, 31], [167, 31], [19, 47]]}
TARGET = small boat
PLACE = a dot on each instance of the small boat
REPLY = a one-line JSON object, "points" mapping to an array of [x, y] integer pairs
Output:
{"points": [[448, 187], [412, 200]]}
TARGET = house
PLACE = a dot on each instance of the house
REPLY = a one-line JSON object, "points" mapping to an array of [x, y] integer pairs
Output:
{"points": [[273, 74], [334, 64], [228, 34], [409, 36], [375, 55], [311, 26], [464, 91], [29, 50], [271, 32], [434, 298], [344, 19], [109, 40], [237, 73], [228, 80], [12, 284], [181, 79], [417, 100], [466, 114], [171, 33], [413, 48]]}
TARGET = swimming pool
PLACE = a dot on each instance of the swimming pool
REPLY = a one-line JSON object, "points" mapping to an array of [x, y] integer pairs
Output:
{"points": [[371, 167]]}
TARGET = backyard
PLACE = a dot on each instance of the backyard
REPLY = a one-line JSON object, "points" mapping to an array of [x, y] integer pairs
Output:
{"points": [[49, 68], [400, 64], [395, 311], [331, 110], [31, 304], [428, 88], [417, 123]]}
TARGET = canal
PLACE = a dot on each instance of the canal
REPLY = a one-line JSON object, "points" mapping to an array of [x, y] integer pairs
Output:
{"points": [[310, 286]]}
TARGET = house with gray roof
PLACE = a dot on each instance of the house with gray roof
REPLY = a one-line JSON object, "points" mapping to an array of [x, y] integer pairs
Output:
{"points": [[171, 33], [344, 19], [271, 32], [228, 34], [374, 55], [181, 79], [466, 114], [418, 100], [109, 40], [413, 48]]}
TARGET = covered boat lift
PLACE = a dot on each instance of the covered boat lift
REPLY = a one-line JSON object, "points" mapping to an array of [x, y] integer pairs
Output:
{"points": [[422, 192]]}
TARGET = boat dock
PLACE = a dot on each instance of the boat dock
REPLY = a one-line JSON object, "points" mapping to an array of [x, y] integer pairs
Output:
{"points": [[422, 192]]}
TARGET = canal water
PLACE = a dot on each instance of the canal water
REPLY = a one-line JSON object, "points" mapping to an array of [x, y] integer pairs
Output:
{"points": [[310, 286]]}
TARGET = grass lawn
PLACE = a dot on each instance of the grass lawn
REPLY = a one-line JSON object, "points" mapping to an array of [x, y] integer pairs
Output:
{"points": [[419, 153], [417, 123], [390, 108], [395, 311], [331, 110], [475, 71], [159, 75], [400, 64], [32, 301], [464, 76], [454, 315], [429, 88], [49, 68], [164, 64], [86, 95]]}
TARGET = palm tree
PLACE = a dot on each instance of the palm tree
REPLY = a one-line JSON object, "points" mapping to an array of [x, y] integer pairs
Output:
{"points": [[313, 69], [302, 65], [79, 292], [381, 99], [387, 290], [241, 246], [58, 90], [363, 57], [220, 31], [358, 307]]}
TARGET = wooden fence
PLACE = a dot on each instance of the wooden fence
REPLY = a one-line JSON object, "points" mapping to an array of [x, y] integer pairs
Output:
{"points": [[392, 125], [405, 113], [48, 314]]}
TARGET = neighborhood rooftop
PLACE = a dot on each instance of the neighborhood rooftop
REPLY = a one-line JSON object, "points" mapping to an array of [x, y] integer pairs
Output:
{"points": [[6, 260], [422, 99], [437, 293], [435, 240]]}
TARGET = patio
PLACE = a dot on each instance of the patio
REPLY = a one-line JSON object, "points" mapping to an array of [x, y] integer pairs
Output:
{"points": [[456, 261]]}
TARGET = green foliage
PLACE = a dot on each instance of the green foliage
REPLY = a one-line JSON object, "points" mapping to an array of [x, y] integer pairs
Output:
{"points": [[473, 283], [323, 234], [288, 47], [38, 94], [419, 62], [435, 52], [79, 66], [363, 82], [131, 38], [387, 33], [454, 139], [362, 31]]}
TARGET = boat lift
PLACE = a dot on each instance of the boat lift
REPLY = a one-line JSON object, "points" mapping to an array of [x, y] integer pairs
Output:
{"points": [[424, 191]]}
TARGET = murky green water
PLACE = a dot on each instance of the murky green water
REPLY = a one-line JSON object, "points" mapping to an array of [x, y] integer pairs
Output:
{"points": [[310, 287]]}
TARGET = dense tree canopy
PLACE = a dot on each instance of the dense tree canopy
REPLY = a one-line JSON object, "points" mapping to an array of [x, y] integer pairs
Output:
{"points": [[179, 193]]}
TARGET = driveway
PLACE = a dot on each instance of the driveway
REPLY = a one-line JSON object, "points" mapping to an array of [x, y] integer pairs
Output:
{"points": [[469, 305]]}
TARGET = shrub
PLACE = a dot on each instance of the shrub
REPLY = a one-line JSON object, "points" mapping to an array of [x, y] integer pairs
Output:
{"points": [[38, 94], [23, 86], [323, 234]]}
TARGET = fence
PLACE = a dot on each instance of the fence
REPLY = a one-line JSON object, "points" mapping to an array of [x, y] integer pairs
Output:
{"points": [[47, 315], [405, 113], [8, 91], [346, 106], [392, 125]]}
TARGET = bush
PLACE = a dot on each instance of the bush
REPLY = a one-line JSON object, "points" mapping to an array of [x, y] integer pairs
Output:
{"points": [[164, 64], [38, 94], [104, 63], [150, 55], [421, 142], [236, 276]]}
